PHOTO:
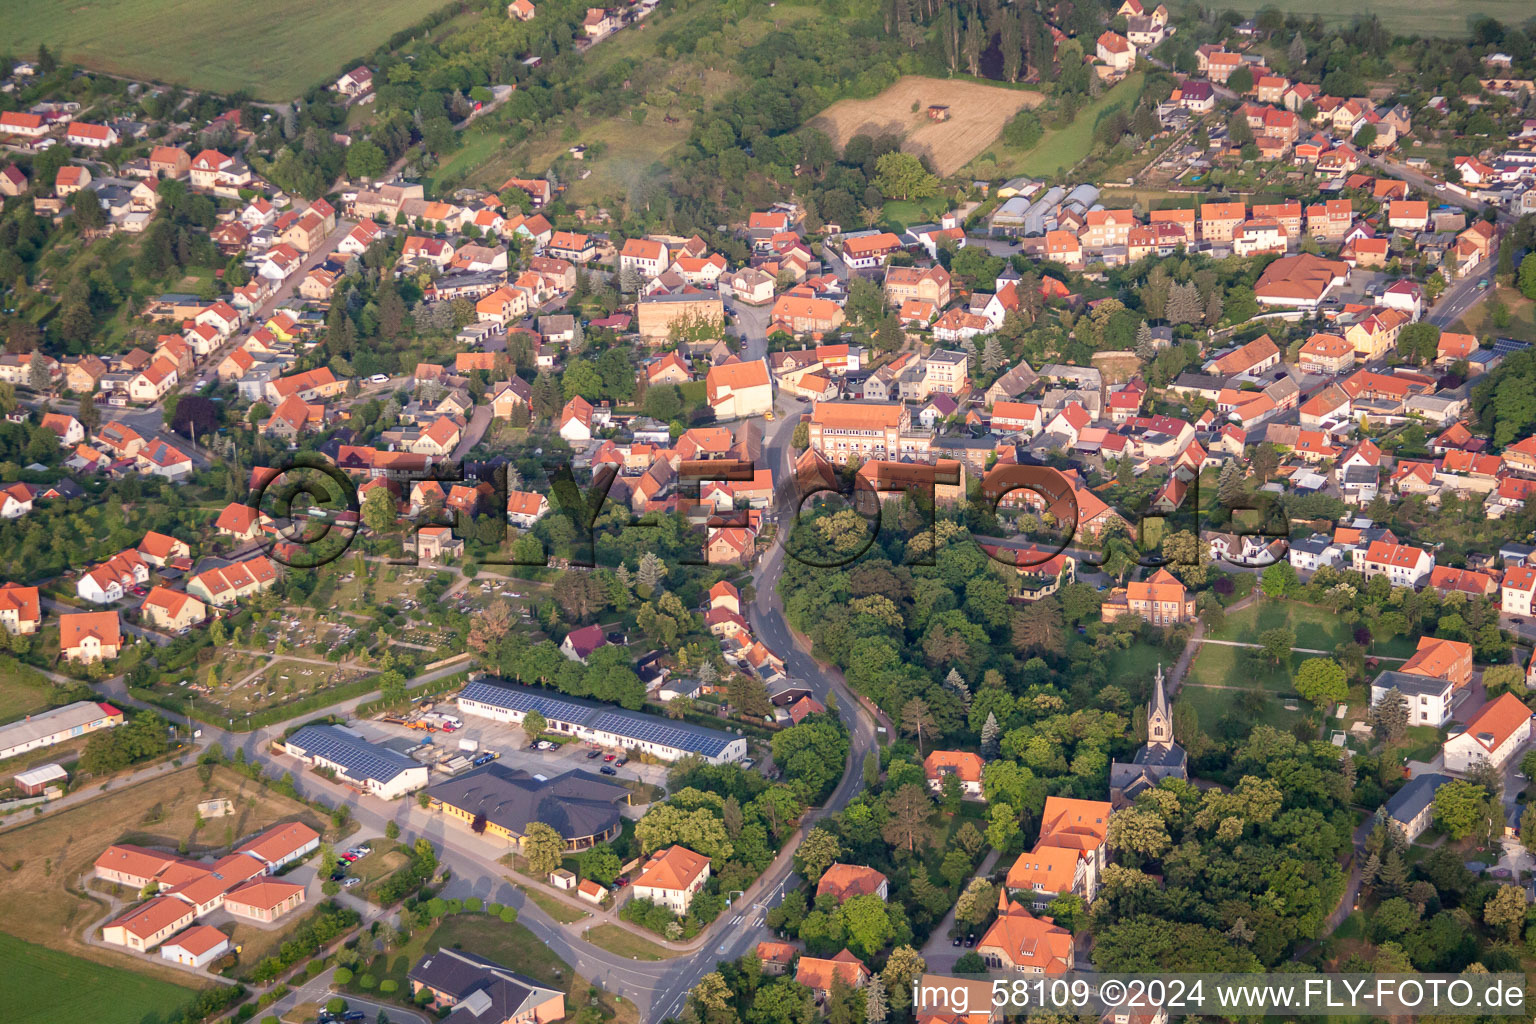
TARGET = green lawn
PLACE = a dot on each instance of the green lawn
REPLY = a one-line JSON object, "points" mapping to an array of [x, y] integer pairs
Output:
{"points": [[44, 987], [23, 690], [553, 906], [626, 943], [1519, 310], [1431, 17], [276, 49], [1315, 627], [1211, 705], [1137, 662], [900, 214], [1059, 151], [1219, 665]]}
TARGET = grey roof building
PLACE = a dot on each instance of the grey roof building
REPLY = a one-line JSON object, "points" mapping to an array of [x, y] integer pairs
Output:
{"points": [[1410, 806], [481, 991], [602, 724], [582, 807]]}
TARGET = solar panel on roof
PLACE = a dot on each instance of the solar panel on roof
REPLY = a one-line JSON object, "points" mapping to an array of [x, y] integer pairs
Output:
{"points": [[599, 717], [357, 757]]}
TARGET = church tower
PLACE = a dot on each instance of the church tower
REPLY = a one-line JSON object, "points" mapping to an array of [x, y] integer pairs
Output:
{"points": [[1159, 715]]}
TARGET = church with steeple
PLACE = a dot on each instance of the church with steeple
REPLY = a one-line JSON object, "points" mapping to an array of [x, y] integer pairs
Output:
{"points": [[1159, 758]]}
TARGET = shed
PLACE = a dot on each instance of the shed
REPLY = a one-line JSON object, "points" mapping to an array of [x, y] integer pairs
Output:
{"points": [[560, 878], [938, 112], [34, 781]]}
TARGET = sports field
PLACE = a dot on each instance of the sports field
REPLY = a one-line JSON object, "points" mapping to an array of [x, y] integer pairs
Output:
{"points": [[44, 986], [1427, 17], [276, 49]]}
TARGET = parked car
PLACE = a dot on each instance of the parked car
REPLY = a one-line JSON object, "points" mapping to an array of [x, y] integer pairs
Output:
{"points": [[379, 378], [609, 769], [621, 762], [591, 754], [607, 757], [349, 883]]}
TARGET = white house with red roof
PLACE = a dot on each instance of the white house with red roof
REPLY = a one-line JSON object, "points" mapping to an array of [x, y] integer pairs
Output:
{"points": [[91, 136], [1402, 564], [1497, 732], [579, 644]]}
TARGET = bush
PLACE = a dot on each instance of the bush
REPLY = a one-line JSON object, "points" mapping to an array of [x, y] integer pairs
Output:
{"points": [[474, 905], [343, 976], [335, 1006], [508, 915], [368, 981], [494, 910], [389, 985]]}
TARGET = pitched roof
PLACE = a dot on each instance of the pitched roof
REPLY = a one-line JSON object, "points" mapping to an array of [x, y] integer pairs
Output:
{"points": [[675, 868], [963, 764], [847, 880], [1498, 720], [816, 973], [76, 627]]}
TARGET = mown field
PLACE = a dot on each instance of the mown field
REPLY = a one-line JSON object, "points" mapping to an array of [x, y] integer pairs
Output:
{"points": [[1429, 17], [43, 987], [276, 49], [977, 113]]}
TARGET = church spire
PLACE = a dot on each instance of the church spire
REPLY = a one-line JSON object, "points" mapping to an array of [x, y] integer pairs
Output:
{"points": [[1159, 715]]}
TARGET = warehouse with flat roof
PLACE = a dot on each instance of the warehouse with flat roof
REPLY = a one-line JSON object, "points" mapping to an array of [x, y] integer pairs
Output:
{"points": [[602, 724]]}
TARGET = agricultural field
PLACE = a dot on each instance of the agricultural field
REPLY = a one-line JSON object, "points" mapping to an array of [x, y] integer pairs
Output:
{"points": [[43, 892], [276, 50], [1430, 18], [977, 113], [44, 986]]}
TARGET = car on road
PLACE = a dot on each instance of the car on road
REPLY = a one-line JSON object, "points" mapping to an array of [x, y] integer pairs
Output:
{"points": [[379, 378], [355, 1015], [608, 769]]}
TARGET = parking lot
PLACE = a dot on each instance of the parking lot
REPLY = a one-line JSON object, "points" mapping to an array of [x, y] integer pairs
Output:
{"points": [[511, 743]]}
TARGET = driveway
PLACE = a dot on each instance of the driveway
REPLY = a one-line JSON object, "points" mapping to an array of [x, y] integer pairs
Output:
{"points": [[473, 432]]}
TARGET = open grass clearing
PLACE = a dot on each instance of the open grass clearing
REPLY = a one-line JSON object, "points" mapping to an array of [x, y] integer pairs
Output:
{"points": [[1062, 149], [23, 690], [977, 113], [1520, 313], [626, 943], [276, 49], [556, 908], [44, 986], [1315, 627]]}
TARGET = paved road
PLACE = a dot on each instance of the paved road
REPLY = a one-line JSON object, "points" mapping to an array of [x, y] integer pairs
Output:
{"points": [[1461, 296], [473, 432]]}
